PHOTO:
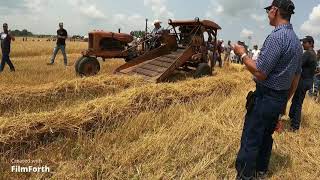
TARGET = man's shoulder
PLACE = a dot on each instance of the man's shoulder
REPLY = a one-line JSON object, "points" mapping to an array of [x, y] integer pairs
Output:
{"points": [[286, 37], [310, 53]]}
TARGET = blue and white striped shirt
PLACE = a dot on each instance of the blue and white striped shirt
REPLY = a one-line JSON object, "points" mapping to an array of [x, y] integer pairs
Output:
{"points": [[280, 58]]}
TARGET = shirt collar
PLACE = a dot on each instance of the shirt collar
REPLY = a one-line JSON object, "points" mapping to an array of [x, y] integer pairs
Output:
{"points": [[283, 26]]}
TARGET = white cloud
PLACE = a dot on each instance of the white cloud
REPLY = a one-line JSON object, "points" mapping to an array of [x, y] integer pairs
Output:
{"points": [[312, 25], [159, 9], [245, 33], [258, 18], [128, 22], [92, 12], [88, 9], [220, 9], [234, 8], [35, 6]]}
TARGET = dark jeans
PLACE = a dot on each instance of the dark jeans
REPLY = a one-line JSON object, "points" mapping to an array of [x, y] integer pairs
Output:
{"points": [[259, 125], [297, 101], [6, 59]]}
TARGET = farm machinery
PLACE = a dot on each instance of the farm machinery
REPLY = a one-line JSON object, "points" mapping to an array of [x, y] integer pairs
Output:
{"points": [[182, 47], [104, 45]]}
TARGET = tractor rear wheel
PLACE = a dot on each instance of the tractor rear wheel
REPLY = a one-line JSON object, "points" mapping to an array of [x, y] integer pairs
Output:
{"points": [[88, 66], [202, 70]]}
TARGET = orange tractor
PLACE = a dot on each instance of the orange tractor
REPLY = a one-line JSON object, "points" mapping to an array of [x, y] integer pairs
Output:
{"points": [[104, 45], [182, 47]]}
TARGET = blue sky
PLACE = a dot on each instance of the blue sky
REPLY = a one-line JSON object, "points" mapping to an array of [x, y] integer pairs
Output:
{"points": [[238, 18]]}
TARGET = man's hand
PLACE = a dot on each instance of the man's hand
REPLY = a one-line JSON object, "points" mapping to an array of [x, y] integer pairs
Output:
{"points": [[62, 37], [249, 63], [11, 36], [239, 50]]}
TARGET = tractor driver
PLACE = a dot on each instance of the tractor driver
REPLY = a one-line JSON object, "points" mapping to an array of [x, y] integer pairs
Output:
{"points": [[157, 29], [156, 34]]}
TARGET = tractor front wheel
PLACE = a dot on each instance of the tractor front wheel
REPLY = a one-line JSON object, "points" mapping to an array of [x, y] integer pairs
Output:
{"points": [[76, 65], [87, 66]]}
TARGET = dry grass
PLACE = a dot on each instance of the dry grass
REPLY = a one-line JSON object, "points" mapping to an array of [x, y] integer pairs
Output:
{"points": [[117, 127]]}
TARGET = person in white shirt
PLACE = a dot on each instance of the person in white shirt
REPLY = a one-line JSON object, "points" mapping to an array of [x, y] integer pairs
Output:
{"points": [[255, 52], [156, 34], [157, 28]]}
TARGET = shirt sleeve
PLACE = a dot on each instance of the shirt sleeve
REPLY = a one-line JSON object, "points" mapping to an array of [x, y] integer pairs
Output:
{"points": [[270, 55]]}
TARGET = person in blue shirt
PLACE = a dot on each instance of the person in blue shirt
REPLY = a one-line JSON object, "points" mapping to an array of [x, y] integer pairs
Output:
{"points": [[6, 39], [276, 73]]}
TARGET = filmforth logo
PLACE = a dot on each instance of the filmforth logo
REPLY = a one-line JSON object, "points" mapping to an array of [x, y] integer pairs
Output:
{"points": [[30, 169]]}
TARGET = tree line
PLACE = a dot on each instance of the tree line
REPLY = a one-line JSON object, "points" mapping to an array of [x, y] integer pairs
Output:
{"points": [[24, 33]]}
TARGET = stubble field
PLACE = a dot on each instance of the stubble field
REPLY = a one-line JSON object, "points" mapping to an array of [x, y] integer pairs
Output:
{"points": [[120, 127]]}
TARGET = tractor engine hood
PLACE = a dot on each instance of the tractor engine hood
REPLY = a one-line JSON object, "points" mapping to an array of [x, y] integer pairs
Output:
{"points": [[126, 38]]}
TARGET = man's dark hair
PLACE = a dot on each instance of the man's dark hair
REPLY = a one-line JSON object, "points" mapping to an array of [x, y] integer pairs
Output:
{"points": [[285, 14], [312, 44], [286, 9]]}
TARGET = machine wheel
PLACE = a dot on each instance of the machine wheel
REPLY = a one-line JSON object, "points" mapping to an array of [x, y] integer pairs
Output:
{"points": [[88, 66], [131, 55], [202, 70], [76, 65]]}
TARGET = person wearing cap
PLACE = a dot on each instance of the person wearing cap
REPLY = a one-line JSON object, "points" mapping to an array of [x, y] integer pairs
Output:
{"points": [[309, 65], [62, 35], [6, 37], [275, 73]]}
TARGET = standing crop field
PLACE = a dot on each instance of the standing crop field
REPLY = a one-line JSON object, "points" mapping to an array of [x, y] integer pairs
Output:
{"points": [[120, 127]]}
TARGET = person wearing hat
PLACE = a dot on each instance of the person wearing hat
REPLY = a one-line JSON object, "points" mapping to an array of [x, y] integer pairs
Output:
{"points": [[62, 35], [156, 33], [275, 73], [309, 65], [6, 39], [157, 28]]}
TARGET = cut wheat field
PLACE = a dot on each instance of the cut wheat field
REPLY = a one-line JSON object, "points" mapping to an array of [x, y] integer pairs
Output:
{"points": [[120, 127]]}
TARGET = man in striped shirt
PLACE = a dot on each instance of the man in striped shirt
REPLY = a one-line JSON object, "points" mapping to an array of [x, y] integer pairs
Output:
{"points": [[276, 73]]}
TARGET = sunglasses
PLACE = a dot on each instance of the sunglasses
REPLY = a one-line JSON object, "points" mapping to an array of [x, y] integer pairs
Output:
{"points": [[269, 9]]}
